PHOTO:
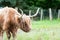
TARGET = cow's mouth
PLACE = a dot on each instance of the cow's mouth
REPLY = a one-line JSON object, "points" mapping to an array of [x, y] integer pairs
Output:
{"points": [[25, 27]]}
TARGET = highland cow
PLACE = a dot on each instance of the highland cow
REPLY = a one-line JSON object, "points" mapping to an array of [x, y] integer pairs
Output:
{"points": [[11, 20]]}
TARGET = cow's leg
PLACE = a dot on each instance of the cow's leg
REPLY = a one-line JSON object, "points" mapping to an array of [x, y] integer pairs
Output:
{"points": [[14, 34], [8, 35], [1, 35]]}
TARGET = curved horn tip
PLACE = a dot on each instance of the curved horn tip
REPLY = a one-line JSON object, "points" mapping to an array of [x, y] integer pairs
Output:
{"points": [[21, 11]]}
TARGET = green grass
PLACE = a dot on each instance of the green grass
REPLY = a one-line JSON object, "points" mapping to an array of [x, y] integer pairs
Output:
{"points": [[41, 30], [45, 24]]}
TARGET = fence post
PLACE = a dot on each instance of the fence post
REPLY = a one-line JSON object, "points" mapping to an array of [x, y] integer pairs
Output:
{"points": [[59, 14], [41, 15], [16, 8], [50, 13], [30, 14]]}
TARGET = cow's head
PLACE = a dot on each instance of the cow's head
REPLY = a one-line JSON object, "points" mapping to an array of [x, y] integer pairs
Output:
{"points": [[24, 22]]}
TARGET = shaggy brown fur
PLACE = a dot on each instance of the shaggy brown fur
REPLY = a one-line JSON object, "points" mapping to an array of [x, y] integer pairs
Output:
{"points": [[26, 25], [11, 20]]}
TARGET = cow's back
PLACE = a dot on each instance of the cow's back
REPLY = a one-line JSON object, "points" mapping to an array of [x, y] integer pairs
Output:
{"points": [[7, 17], [2, 13]]}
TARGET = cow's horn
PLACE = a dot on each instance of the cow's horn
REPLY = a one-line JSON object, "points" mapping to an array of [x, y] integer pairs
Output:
{"points": [[30, 15], [21, 11]]}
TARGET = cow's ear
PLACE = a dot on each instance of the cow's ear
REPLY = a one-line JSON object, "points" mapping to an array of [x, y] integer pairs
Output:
{"points": [[19, 19]]}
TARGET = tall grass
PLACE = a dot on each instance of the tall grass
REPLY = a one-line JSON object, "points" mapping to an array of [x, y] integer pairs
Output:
{"points": [[41, 30]]}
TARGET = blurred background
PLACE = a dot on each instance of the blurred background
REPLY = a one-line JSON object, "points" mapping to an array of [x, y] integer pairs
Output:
{"points": [[49, 9], [45, 24]]}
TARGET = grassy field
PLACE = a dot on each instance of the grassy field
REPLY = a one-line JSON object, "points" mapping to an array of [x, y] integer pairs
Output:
{"points": [[41, 30]]}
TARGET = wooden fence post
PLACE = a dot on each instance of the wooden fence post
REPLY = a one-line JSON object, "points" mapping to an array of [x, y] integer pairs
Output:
{"points": [[41, 15], [50, 13], [16, 8], [59, 14], [30, 14]]}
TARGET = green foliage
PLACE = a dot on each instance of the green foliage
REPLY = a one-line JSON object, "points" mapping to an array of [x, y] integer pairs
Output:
{"points": [[25, 4]]}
